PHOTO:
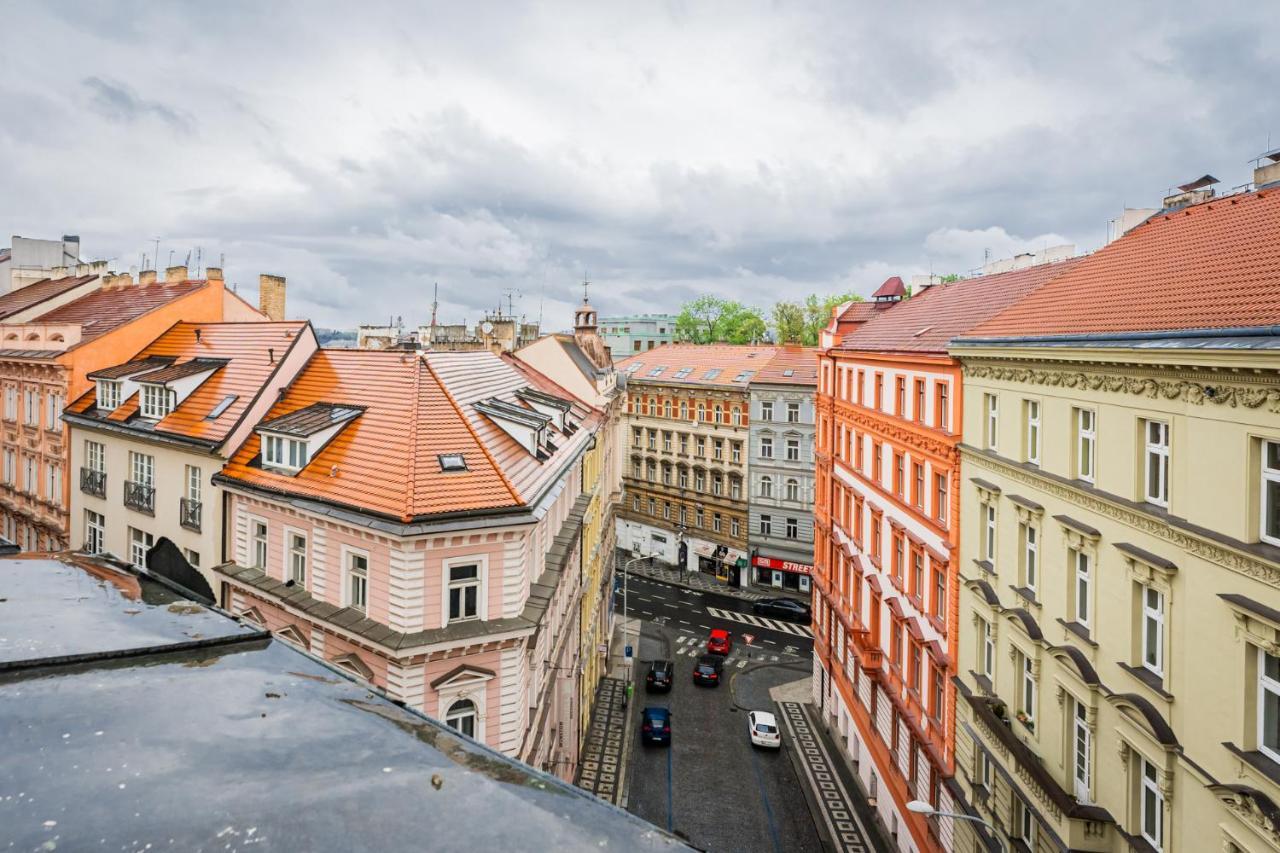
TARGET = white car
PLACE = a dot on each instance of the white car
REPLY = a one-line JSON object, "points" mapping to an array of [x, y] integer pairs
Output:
{"points": [[763, 728]]}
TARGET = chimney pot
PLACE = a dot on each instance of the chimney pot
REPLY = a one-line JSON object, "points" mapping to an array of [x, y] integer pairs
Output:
{"points": [[146, 277], [58, 272], [124, 279], [271, 291], [175, 274], [213, 273]]}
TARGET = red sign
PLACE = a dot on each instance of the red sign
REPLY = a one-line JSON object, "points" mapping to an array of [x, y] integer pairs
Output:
{"points": [[782, 565], [748, 638]]}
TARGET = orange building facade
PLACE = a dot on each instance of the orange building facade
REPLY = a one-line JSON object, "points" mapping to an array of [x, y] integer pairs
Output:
{"points": [[886, 538]]}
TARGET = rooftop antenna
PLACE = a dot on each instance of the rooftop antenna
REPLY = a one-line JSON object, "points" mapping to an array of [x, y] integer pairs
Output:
{"points": [[435, 304], [170, 257], [542, 294], [155, 258]]}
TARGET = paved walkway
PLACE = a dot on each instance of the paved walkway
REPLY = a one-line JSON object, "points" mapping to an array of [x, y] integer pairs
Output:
{"points": [[697, 581], [838, 805], [602, 768]]}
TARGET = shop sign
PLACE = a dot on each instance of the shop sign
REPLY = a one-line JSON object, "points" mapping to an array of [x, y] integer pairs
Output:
{"points": [[782, 565]]}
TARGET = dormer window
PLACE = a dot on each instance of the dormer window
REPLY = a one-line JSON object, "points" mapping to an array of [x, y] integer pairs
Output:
{"points": [[157, 401], [281, 452], [108, 394]]}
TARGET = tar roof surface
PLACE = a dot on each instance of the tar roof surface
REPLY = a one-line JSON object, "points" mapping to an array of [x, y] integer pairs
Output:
{"points": [[1212, 265], [244, 744], [925, 323], [724, 363], [33, 294]]}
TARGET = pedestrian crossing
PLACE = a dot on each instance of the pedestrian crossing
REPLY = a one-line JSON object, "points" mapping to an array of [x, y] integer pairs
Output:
{"points": [[761, 622]]}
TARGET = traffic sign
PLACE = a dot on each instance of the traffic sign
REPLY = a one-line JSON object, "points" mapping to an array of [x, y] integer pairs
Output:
{"points": [[748, 638], [627, 653]]}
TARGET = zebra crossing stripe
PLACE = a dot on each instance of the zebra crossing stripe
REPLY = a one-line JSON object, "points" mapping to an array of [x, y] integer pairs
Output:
{"points": [[761, 622]]}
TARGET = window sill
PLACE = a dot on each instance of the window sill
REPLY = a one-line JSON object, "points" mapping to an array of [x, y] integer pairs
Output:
{"points": [[1026, 594], [1148, 679], [1258, 760], [986, 566], [1079, 630], [983, 682]]}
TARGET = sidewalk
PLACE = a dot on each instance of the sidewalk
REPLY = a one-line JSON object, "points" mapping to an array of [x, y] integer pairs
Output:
{"points": [[603, 768], [700, 581]]}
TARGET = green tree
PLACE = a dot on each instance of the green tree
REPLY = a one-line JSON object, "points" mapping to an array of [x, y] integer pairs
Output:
{"points": [[740, 324], [788, 322], [817, 313], [698, 320]]}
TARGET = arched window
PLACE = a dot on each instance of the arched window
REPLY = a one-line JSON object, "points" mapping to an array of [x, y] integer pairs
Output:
{"points": [[793, 489], [684, 410], [666, 409], [462, 716], [653, 407], [766, 487]]}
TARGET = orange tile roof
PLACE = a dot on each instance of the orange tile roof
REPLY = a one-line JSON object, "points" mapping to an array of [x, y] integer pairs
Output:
{"points": [[1213, 265], [727, 361], [417, 407], [800, 362], [860, 312], [37, 292], [251, 351], [105, 310], [925, 323]]}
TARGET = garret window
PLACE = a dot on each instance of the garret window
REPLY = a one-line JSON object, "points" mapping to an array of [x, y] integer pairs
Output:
{"points": [[163, 390], [291, 441]]}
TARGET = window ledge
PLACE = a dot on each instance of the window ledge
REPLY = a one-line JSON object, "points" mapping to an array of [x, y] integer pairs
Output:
{"points": [[1079, 630], [1026, 594], [1258, 760], [986, 566], [1149, 679]]}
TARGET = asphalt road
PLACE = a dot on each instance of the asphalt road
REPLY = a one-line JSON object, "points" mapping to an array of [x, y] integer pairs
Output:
{"points": [[712, 786]]}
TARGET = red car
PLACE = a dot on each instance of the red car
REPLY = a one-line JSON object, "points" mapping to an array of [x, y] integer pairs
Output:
{"points": [[720, 642]]}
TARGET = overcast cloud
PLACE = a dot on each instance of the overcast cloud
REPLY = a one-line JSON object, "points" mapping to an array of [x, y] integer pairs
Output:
{"points": [[663, 149]]}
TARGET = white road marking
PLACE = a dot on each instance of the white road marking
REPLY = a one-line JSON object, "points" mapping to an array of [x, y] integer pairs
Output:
{"points": [[773, 659], [741, 664], [771, 642], [760, 622]]}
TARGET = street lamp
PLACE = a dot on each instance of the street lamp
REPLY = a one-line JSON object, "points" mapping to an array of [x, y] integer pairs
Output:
{"points": [[921, 807], [626, 575]]}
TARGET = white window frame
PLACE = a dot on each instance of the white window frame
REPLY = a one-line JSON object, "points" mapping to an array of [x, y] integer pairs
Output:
{"points": [[31, 406], [142, 468], [766, 410], [1157, 453], [1031, 556], [766, 525], [139, 546], [1081, 751], [53, 483], [53, 410], [793, 489], [1086, 444], [1149, 784], [481, 562], [108, 395], [1266, 685], [293, 556], [1270, 476], [350, 574], [193, 483], [95, 456], [95, 531], [766, 447], [1033, 431], [793, 413], [993, 421], [256, 546], [988, 651], [1083, 566], [766, 487], [1028, 688], [454, 719], [1153, 616], [157, 401], [989, 540], [293, 454], [793, 445]]}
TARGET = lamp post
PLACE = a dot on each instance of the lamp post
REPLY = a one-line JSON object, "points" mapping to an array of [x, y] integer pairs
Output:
{"points": [[923, 808], [626, 575]]}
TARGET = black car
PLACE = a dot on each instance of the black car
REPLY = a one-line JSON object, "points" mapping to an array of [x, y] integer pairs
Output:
{"points": [[659, 678], [708, 670], [782, 608]]}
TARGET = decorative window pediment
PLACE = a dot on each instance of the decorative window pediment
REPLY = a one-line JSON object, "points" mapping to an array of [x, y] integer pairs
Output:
{"points": [[354, 665]]}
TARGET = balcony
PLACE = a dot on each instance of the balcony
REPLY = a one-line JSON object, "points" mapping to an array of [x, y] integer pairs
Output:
{"points": [[140, 496], [93, 482], [189, 513]]}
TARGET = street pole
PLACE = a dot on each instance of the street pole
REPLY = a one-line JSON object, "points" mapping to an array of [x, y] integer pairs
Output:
{"points": [[626, 577], [923, 808]]}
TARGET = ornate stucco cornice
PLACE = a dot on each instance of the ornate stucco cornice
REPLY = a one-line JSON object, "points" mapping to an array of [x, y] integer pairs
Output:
{"points": [[901, 434], [1188, 384], [1180, 537]]}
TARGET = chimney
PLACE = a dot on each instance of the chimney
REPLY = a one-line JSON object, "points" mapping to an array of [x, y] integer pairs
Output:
{"points": [[1267, 170], [213, 273], [108, 280], [82, 269], [146, 277], [175, 274], [1201, 189], [58, 272], [124, 279], [271, 296], [97, 268]]}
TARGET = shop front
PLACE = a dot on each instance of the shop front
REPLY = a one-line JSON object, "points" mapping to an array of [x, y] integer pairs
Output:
{"points": [[781, 574], [725, 563]]}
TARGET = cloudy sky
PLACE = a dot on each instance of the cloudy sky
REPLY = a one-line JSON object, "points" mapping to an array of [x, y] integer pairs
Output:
{"points": [[366, 150]]}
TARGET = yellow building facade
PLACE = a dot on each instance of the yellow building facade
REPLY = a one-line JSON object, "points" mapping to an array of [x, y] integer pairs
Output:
{"points": [[1120, 677]]}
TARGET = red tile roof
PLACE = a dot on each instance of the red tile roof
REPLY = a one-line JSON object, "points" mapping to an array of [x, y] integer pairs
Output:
{"points": [[1213, 265], [860, 312], [926, 322], [892, 287], [105, 310], [37, 292], [386, 461], [800, 362], [724, 363]]}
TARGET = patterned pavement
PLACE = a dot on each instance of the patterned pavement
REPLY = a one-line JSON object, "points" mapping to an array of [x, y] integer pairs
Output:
{"points": [[762, 622], [602, 770], [835, 808], [697, 581]]}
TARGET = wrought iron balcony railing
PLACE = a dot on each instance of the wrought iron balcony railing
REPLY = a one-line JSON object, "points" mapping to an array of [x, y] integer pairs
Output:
{"points": [[140, 496], [93, 482]]}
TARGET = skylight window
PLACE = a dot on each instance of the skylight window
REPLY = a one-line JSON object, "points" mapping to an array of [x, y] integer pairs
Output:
{"points": [[221, 407], [683, 372], [743, 376], [657, 371], [452, 462], [712, 373], [788, 372], [635, 367]]}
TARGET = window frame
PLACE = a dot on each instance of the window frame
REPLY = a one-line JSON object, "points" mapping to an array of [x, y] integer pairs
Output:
{"points": [[257, 545], [1033, 431], [1152, 616], [1149, 783], [992, 410], [291, 555], [1083, 581], [139, 538], [95, 531], [1161, 455], [1267, 685], [1086, 437], [349, 576]]}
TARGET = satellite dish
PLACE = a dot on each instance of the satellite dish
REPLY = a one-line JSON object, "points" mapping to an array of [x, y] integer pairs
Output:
{"points": [[486, 327]]}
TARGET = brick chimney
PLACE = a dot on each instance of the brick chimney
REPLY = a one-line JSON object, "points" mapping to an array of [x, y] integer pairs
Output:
{"points": [[271, 296], [213, 273], [124, 279], [146, 277], [175, 274]]}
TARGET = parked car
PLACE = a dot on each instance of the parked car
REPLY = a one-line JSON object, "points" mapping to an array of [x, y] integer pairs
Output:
{"points": [[659, 678], [783, 608], [763, 728], [655, 725], [720, 642], [708, 670]]}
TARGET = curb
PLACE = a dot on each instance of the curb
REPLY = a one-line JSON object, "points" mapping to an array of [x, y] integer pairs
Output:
{"points": [[810, 796], [727, 591], [733, 679]]}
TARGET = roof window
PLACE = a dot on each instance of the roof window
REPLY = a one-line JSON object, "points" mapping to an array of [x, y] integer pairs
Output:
{"points": [[683, 372], [221, 407], [743, 376], [657, 371], [289, 454], [712, 373], [108, 394], [452, 462], [788, 372]]}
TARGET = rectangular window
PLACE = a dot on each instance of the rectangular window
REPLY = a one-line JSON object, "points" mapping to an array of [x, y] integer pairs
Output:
{"points": [[735, 452], [917, 484], [464, 592], [766, 525], [1030, 557], [258, 543], [793, 413], [899, 473], [31, 407], [993, 421], [1033, 431], [937, 702], [1153, 630], [1152, 805], [108, 396], [793, 450], [53, 484], [717, 448], [939, 594], [917, 574], [157, 401], [766, 410], [291, 453], [793, 528], [940, 497], [880, 391], [1086, 444], [1082, 751], [1084, 587], [1269, 704], [862, 381], [140, 542], [11, 403], [142, 468], [29, 483], [192, 557], [1027, 693], [1271, 491], [53, 411], [989, 534], [95, 532], [637, 436], [942, 417], [666, 441], [9, 472], [900, 396], [919, 412], [653, 439], [95, 456], [715, 522], [877, 463], [666, 511], [735, 527], [298, 559], [193, 483], [1157, 462], [358, 582], [699, 446]]}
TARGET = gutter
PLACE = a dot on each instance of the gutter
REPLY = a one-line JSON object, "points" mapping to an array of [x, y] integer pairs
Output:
{"points": [[1098, 337], [184, 442]]}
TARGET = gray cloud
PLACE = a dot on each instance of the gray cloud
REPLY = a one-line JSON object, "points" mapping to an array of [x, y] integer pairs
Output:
{"points": [[749, 150]]}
